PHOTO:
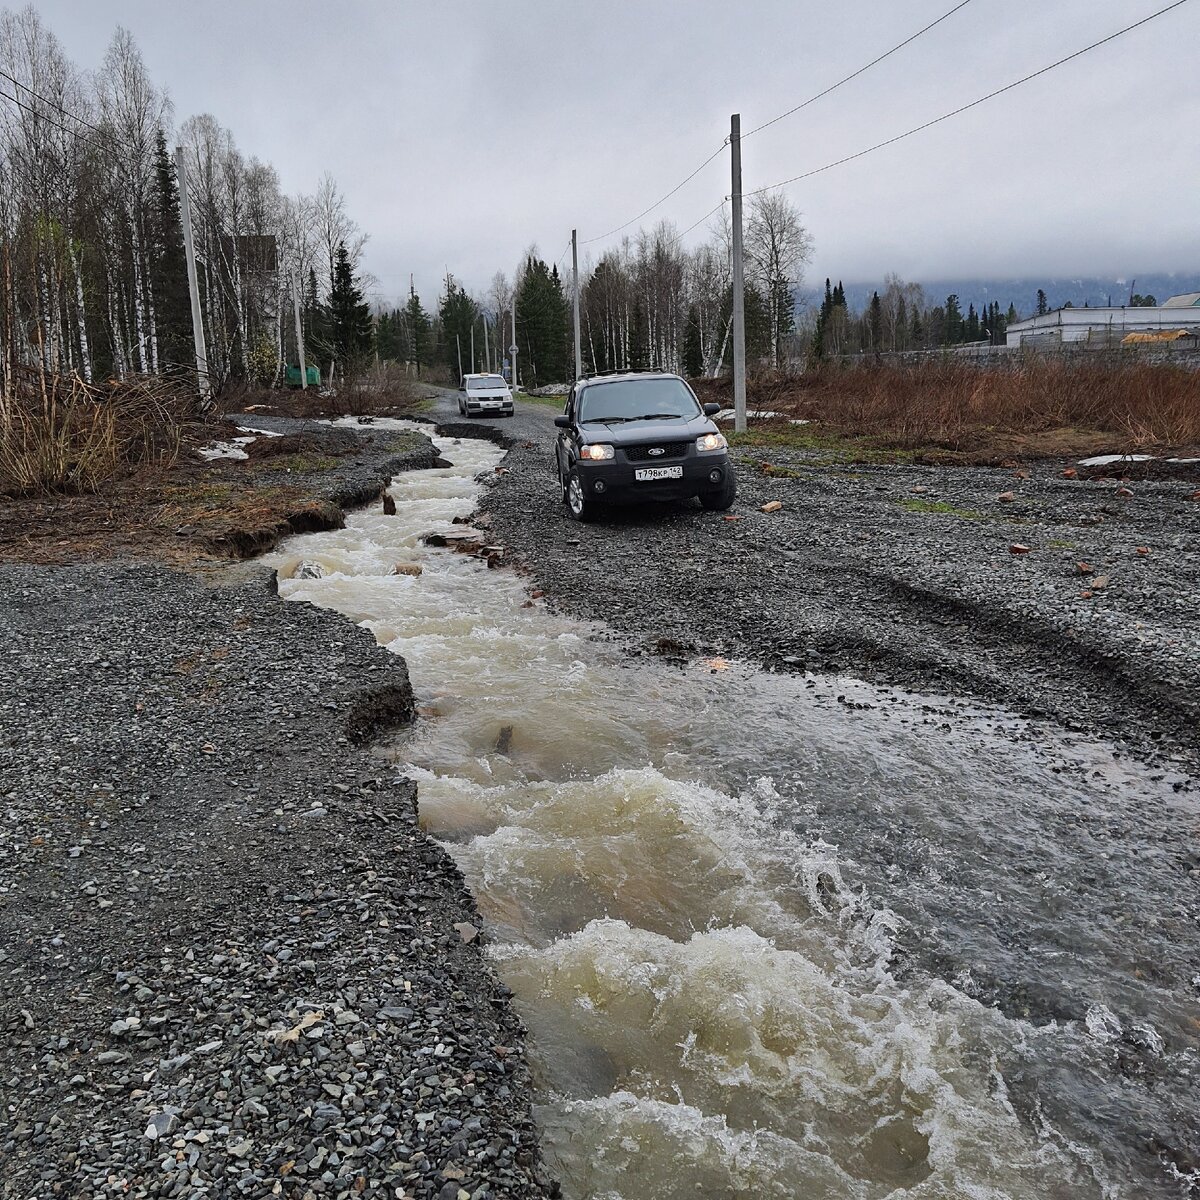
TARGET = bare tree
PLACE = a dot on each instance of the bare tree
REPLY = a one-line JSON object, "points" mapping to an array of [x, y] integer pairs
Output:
{"points": [[778, 247]]}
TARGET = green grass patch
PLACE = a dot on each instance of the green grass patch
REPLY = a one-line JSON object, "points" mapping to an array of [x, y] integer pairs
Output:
{"points": [[941, 506], [823, 448], [559, 402], [301, 464]]}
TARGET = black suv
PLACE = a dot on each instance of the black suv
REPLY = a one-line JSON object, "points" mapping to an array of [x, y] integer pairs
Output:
{"points": [[627, 438]]}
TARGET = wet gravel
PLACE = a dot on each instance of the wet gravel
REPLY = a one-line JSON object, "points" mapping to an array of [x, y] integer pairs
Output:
{"points": [[232, 964], [902, 575]]}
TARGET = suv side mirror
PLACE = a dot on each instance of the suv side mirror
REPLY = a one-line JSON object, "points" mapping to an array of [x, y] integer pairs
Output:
{"points": [[562, 421], [711, 410]]}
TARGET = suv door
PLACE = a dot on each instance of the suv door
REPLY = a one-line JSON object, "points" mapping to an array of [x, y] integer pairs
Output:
{"points": [[562, 450]]}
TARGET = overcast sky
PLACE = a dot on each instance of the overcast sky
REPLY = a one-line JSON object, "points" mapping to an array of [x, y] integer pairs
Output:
{"points": [[463, 132]]}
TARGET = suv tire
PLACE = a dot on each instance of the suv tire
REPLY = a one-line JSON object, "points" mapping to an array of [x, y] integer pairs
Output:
{"points": [[721, 499], [578, 505]]}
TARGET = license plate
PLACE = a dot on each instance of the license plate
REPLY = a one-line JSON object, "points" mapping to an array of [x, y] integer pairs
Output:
{"points": [[647, 473]]}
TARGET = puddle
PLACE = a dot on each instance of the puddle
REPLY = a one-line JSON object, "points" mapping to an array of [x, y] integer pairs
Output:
{"points": [[783, 936]]}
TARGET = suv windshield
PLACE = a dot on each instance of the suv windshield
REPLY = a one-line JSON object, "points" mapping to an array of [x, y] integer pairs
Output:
{"points": [[486, 383], [637, 399]]}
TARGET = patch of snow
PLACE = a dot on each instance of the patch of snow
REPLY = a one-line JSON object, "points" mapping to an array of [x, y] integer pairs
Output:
{"points": [[759, 414], [1105, 460], [230, 449]]}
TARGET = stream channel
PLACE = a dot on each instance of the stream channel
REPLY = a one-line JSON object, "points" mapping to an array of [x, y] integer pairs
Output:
{"points": [[787, 936]]}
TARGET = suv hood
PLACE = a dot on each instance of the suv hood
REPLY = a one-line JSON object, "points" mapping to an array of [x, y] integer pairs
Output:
{"points": [[635, 433]]}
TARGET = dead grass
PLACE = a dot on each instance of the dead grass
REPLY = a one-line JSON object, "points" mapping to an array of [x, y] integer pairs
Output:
{"points": [[61, 435], [1037, 409]]}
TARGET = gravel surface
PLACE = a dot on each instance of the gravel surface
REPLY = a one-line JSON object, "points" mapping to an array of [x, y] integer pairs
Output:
{"points": [[232, 963], [863, 572]]}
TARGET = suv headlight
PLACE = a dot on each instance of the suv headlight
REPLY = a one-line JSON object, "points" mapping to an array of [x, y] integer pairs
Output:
{"points": [[597, 453], [711, 441]]}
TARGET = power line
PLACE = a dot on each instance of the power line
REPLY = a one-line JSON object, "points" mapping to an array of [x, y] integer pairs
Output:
{"points": [[680, 236], [720, 149], [53, 103], [861, 70], [57, 124], [1008, 87], [633, 220]]}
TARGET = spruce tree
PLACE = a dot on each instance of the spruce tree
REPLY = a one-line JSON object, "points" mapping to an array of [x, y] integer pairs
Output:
{"points": [[350, 328], [1043, 306], [417, 332], [168, 269], [639, 339], [875, 322]]}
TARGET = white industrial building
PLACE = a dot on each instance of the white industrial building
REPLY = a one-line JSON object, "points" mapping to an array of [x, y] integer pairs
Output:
{"points": [[1110, 326]]}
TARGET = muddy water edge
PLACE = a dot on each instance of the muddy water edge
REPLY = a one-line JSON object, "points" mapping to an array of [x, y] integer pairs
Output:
{"points": [[779, 935]]}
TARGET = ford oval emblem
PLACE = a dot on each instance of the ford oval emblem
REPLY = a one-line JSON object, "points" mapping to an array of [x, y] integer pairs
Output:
{"points": [[657, 450]]}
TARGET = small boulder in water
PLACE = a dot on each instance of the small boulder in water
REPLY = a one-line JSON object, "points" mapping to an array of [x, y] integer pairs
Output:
{"points": [[407, 569], [309, 570]]}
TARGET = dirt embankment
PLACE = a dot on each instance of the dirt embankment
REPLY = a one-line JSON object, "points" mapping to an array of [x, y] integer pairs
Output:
{"points": [[225, 507]]}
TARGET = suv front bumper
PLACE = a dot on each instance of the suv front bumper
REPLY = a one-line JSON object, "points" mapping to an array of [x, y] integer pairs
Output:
{"points": [[616, 482]]}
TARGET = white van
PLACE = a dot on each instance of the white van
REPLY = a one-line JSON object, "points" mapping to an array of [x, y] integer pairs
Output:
{"points": [[479, 394]]}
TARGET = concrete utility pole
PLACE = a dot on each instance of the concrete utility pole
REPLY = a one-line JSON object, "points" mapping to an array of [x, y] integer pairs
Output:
{"points": [[185, 214], [458, 343], [487, 346], [299, 334], [575, 281], [739, 280], [513, 348], [472, 347]]}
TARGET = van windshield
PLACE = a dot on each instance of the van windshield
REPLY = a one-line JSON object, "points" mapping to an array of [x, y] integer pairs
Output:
{"points": [[486, 383]]}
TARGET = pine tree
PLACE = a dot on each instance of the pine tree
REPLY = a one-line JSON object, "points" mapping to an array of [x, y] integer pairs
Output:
{"points": [[693, 348], [639, 339], [971, 331], [457, 314], [875, 322], [350, 327], [952, 328], [418, 332], [168, 271], [1042, 306]]}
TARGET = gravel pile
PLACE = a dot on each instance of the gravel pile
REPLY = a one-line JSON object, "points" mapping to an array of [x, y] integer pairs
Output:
{"points": [[230, 962], [905, 575]]}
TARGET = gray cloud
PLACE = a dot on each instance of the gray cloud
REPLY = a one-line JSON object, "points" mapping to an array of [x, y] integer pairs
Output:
{"points": [[463, 132]]}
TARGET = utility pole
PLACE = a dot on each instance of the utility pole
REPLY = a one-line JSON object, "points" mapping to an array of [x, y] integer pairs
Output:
{"points": [[185, 213], [739, 280], [487, 347], [458, 343], [513, 348], [299, 334], [575, 280], [472, 347]]}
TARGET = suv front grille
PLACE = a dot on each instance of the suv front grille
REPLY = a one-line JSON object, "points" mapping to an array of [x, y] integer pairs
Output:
{"points": [[642, 453]]}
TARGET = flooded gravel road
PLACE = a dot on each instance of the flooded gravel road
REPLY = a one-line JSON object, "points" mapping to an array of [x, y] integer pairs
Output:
{"points": [[789, 936]]}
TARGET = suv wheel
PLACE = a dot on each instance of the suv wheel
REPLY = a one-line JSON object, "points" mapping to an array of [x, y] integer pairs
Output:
{"points": [[578, 505], [721, 498]]}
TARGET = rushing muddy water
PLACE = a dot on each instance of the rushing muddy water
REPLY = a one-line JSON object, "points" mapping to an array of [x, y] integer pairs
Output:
{"points": [[778, 936]]}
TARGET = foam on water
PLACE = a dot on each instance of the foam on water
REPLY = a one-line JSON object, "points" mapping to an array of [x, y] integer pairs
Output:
{"points": [[712, 999]]}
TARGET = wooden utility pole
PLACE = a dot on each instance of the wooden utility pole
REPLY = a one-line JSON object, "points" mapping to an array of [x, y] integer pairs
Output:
{"points": [[739, 280], [575, 290], [299, 334], [189, 246], [472, 347]]}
